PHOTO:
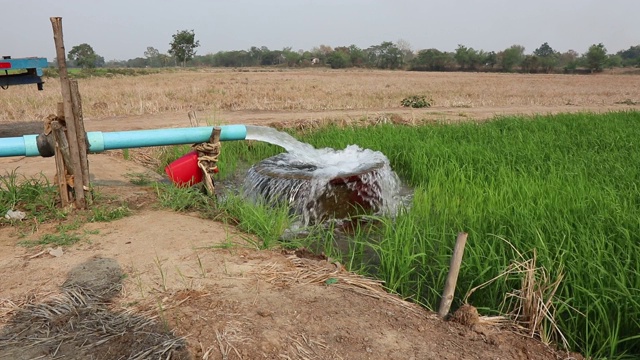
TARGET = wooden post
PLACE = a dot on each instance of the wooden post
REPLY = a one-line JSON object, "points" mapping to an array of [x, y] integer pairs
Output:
{"points": [[82, 137], [452, 277], [60, 137], [61, 171], [72, 138]]}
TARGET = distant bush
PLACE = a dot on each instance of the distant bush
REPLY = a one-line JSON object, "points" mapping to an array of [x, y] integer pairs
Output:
{"points": [[339, 60], [416, 101], [50, 72]]}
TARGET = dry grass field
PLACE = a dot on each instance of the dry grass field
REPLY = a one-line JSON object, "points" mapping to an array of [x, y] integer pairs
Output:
{"points": [[219, 91], [198, 280]]}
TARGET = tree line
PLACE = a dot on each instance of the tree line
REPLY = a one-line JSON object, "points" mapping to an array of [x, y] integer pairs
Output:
{"points": [[386, 55]]}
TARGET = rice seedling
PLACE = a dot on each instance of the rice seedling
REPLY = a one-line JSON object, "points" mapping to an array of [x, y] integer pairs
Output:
{"points": [[201, 268], [163, 272]]}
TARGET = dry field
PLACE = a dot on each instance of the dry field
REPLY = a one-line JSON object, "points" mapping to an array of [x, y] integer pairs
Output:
{"points": [[178, 271], [217, 92]]}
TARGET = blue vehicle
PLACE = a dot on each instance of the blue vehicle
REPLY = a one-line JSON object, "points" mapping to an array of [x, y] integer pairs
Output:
{"points": [[21, 71]]}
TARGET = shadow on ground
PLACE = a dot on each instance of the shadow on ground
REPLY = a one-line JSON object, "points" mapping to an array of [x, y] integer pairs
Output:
{"points": [[80, 323]]}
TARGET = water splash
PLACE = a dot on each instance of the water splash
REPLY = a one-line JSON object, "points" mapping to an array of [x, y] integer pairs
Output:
{"points": [[322, 183]]}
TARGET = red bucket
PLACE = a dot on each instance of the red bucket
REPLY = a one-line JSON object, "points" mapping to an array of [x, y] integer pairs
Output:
{"points": [[185, 171]]}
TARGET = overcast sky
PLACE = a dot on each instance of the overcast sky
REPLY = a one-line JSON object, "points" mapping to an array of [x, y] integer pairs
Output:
{"points": [[119, 29]]}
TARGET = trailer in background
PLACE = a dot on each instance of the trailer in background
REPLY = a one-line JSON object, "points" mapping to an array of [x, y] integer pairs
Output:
{"points": [[21, 71]]}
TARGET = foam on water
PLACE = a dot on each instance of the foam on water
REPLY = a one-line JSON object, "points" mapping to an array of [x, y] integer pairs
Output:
{"points": [[307, 178]]}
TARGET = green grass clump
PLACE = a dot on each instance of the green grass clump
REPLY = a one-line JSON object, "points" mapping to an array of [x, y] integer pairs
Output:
{"points": [[34, 196], [267, 222], [38, 199], [107, 214], [57, 239], [416, 101], [183, 198]]}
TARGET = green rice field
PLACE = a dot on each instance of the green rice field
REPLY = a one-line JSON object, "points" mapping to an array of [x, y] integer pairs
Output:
{"points": [[562, 188]]}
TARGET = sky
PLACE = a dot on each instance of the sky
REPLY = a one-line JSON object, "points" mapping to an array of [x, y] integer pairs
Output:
{"points": [[121, 30]]}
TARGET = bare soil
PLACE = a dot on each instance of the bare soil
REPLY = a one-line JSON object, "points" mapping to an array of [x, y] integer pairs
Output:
{"points": [[160, 284]]}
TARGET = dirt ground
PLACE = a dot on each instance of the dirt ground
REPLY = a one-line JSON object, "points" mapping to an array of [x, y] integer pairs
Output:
{"points": [[165, 285]]}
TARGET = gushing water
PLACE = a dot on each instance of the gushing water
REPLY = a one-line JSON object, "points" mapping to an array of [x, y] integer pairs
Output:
{"points": [[322, 183]]}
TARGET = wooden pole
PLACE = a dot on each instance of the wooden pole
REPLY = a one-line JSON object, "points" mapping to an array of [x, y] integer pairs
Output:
{"points": [[452, 277], [78, 187], [61, 172], [82, 138], [60, 137]]}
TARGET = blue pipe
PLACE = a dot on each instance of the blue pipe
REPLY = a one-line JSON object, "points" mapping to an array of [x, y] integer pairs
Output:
{"points": [[100, 141]]}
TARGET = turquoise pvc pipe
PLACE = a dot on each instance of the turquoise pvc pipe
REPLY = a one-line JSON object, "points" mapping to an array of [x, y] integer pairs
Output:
{"points": [[100, 141]]}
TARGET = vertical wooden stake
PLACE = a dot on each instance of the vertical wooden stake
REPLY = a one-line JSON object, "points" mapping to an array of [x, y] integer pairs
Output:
{"points": [[82, 137], [78, 187], [61, 171], [452, 277]]}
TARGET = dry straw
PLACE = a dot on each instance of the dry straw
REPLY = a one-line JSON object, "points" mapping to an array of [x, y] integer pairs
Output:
{"points": [[80, 321], [331, 273], [530, 309], [309, 90]]}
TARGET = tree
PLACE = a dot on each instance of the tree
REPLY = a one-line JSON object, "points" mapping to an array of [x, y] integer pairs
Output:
{"points": [[292, 58], [631, 56], [544, 51], [385, 56], [405, 49], [136, 63], [339, 59], [322, 52], [164, 60], [83, 56], [530, 64], [432, 60], [270, 57], [596, 57], [614, 61], [547, 57], [469, 58], [153, 56], [184, 45], [490, 59], [511, 57], [99, 61], [357, 56], [568, 60]]}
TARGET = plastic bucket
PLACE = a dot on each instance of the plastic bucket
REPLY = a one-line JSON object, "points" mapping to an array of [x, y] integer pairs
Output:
{"points": [[185, 171]]}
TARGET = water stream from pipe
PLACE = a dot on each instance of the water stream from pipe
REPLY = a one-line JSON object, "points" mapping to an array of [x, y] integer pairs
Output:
{"points": [[320, 184]]}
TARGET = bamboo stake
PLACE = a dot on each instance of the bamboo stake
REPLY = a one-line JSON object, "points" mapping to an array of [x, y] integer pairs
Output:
{"points": [[80, 202], [452, 277]]}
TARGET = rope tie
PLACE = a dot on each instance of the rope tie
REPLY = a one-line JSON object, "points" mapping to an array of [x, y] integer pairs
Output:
{"points": [[208, 153]]}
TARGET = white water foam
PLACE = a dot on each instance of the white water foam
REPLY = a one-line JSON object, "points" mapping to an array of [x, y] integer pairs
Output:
{"points": [[305, 174]]}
